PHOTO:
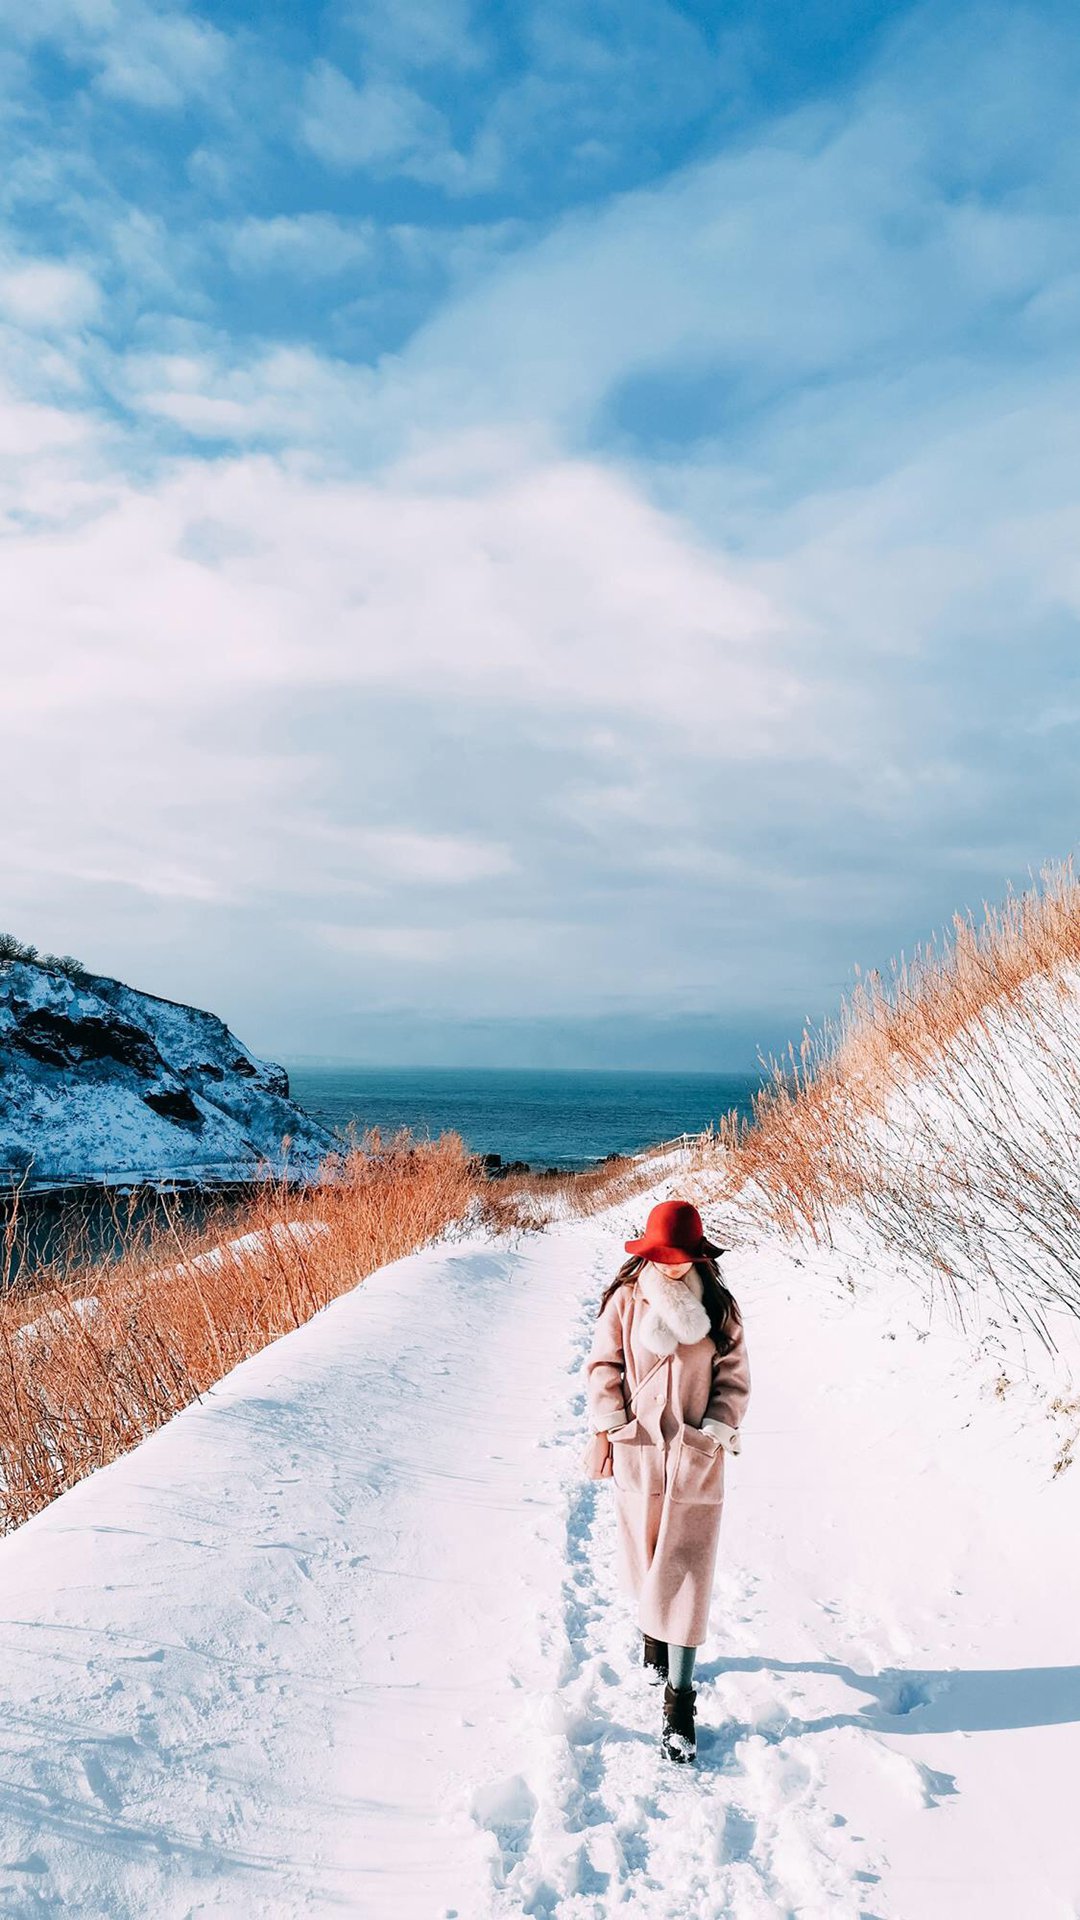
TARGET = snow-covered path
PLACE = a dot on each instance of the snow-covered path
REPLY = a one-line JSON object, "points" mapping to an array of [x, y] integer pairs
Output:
{"points": [[342, 1639]]}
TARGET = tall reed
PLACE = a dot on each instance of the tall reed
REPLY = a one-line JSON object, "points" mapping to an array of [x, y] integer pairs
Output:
{"points": [[939, 1116]]}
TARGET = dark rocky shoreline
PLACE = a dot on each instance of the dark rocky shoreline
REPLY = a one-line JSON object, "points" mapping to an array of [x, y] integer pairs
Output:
{"points": [[497, 1168]]}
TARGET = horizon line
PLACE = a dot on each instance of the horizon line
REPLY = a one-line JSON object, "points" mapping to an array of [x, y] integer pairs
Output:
{"points": [[301, 1061]]}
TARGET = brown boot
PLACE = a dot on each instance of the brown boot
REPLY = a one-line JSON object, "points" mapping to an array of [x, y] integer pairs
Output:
{"points": [[679, 1738], [655, 1659]]}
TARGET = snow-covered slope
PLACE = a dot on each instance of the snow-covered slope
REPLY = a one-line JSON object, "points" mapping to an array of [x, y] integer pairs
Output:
{"points": [[343, 1638], [972, 1162], [954, 1159], [101, 1083]]}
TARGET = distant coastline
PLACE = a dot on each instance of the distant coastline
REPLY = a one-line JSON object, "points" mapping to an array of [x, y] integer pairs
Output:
{"points": [[543, 1117]]}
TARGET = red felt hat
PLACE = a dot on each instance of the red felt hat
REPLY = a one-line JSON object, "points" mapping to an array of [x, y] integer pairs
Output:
{"points": [[673, 1233]]}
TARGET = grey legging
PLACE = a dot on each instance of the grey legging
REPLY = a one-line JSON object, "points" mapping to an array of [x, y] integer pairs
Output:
{"points": [[680, 1665]]}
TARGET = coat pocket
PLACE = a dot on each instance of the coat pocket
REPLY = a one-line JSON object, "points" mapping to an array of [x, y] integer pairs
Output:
{"points": [[636, 1464], [699, 1469]]}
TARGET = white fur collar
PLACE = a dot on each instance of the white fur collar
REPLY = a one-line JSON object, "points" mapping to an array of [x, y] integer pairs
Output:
{"points": [[675, 1316]]}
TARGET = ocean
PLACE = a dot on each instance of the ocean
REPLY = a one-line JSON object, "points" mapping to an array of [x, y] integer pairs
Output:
{"points": [[549, 1117]]}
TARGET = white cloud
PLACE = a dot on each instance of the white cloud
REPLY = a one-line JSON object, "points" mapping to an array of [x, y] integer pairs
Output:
{"points": [[47, 294], [417, 33], [161, 60], [158, 57], [423, 946], [398, 854], [381, 124], [290, 396], [311, 244], [553, 583], [27, 429], [494, 943], [163, 265]]}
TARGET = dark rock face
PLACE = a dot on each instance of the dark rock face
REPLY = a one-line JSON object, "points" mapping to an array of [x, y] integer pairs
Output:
{"points": [[496, 1168], [175, 1103], [274, 1078], [62, 1042], [101, 1084]]}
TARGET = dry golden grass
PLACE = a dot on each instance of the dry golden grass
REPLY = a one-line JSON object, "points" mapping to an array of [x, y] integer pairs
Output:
{"points": [[805, 1148], [93, 1358], [937, 1121]]}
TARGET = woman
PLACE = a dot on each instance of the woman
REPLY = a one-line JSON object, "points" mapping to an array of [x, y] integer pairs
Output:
{"points": [[668, 1382]]}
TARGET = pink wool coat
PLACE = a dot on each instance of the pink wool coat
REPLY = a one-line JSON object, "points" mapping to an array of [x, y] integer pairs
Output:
{"points": [[668, 1474]]}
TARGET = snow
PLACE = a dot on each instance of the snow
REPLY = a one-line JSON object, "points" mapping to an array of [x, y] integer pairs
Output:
{"points": [[252, 1246], [343, 1637]]}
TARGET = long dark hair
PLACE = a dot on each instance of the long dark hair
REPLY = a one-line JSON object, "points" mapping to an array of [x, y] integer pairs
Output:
{"points": [[720, 1304]]}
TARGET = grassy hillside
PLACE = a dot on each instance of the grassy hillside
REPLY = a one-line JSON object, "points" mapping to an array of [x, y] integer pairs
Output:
{"points": [[937, 1121]]}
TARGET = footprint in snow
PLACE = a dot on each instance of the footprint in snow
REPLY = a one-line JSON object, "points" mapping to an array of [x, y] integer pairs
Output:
{"points": [[507, 1809], [740, 1834]]}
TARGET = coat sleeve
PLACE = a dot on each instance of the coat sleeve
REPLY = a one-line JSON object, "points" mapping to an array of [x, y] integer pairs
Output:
{"points": [[730, 1392], [604, 1371]]}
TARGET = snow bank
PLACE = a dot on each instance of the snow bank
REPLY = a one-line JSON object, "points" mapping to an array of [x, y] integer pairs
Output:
{"points": [[252, 1246]]}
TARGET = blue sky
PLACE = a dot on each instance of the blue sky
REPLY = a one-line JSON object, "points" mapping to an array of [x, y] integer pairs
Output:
{"points": [[535, 534]]}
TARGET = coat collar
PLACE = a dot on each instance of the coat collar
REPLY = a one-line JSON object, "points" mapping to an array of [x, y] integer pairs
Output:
{"points": [[674, 1313]]}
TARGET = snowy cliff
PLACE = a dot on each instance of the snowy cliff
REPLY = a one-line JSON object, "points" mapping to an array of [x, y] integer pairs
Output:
{"points": [[99, 1083]]}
